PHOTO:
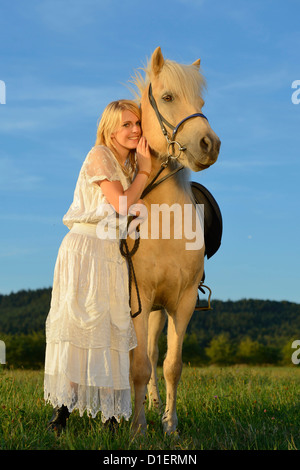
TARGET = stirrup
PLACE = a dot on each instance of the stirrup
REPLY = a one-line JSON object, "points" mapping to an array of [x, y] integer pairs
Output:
{"points": [[198, 307]]}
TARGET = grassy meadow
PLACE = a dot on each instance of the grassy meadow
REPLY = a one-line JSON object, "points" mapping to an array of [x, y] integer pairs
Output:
{"points": [[230, 408]]}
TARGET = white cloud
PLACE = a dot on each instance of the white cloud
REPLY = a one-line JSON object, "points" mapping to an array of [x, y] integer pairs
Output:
{"points": [[242, 164], [32, 105], [65, 17], [17, 251], [271, 80], [14, 178], [37, 219], [191, 3]]}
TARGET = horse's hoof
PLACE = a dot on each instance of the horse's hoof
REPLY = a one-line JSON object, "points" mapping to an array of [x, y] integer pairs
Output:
{"points": [[169, 425], [171, 431]]}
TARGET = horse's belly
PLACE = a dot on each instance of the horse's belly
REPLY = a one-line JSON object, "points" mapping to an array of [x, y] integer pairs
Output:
{"points": [[166, 271]]}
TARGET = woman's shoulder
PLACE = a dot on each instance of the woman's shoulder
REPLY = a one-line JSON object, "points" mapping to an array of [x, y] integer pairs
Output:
{"points": [[101, 153], [101, 150], [101, 161]]}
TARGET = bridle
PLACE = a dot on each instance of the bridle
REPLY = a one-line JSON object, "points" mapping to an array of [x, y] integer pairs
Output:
{"points": [[171, 142]]}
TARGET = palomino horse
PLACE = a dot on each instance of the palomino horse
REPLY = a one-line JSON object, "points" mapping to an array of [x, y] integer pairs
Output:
{"points": [[167, 273]]}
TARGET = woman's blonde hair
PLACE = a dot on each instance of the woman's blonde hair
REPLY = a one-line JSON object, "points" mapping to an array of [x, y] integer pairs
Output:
{"points": [[110, 120]]}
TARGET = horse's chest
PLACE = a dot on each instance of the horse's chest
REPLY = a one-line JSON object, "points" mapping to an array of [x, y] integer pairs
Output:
{"points": [[161, 261]]}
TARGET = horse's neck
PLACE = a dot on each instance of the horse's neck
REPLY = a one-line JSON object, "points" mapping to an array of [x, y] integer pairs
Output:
{"points": [[175, 189]]}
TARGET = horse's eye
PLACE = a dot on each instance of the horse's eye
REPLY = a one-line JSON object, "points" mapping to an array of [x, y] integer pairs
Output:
{"points": [[168, 98]]}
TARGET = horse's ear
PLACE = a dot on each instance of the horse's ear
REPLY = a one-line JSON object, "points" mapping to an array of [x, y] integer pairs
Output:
{"points": [[197, 63], [157, 61]]}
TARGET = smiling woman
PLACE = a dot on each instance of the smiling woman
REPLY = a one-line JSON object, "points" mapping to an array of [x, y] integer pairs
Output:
{"points": [[128, 134], [89, 331], [123, 117]]}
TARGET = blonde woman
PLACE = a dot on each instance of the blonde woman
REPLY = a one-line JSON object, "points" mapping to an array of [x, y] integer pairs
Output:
{"points": [[89, 331]]}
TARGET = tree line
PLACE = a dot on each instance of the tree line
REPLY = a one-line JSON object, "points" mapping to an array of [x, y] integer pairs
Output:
{"points": [[248, 331]]}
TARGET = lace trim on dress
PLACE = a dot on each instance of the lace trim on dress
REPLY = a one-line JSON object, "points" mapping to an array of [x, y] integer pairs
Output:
{"points": [[59, 390]]}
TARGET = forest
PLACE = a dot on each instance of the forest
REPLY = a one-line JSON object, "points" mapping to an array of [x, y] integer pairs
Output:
{"points": [[247, 331]]}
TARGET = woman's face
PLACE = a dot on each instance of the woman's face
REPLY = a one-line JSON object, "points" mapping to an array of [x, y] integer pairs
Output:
{"points": [[128, 134]]}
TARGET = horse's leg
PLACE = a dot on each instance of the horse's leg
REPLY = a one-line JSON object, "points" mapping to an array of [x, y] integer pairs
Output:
{"points": [[157, 320], [140, 370], [177, 324]]}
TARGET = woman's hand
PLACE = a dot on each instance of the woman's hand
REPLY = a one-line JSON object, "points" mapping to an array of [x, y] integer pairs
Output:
{"points": [[143, 155], [112, 190]]}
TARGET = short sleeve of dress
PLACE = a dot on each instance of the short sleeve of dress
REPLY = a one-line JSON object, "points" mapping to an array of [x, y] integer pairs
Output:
{"points": [[101, 165]]}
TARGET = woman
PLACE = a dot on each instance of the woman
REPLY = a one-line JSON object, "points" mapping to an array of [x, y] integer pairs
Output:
{"points": [[89, 331]]}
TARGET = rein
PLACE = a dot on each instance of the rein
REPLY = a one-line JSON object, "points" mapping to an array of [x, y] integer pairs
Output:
{"points": [[124, 249], [153, 184]]}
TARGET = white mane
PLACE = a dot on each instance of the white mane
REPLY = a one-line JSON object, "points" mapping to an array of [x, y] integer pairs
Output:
{"points": [[183, 80]]}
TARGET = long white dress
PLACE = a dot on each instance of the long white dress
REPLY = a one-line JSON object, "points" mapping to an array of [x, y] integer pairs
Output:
{"points": [[89, 331]]}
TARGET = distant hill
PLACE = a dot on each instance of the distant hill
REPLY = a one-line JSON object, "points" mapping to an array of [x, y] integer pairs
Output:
{"points": [[26, 311], [260, 320], [264, 327]]}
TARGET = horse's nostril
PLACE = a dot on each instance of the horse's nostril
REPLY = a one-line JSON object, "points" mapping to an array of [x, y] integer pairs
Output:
{"points": [[206, 144]]}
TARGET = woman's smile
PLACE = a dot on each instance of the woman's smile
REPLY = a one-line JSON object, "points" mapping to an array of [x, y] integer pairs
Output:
{"points": [[127, 136]]}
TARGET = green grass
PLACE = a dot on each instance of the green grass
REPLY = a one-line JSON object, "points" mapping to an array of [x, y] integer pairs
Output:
{"points": [[231, 408]]}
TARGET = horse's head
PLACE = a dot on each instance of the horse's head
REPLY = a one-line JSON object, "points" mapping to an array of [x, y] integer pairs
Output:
{"points": [[171, 106]]}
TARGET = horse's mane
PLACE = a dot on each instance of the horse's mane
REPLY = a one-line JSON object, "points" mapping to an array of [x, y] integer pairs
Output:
{"points": [[183, 80]]}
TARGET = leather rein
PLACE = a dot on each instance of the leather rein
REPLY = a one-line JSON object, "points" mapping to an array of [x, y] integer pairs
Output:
{"points": [[124, 249]]}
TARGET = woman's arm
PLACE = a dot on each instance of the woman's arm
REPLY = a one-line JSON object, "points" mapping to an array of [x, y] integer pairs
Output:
{"points": [[112, 190]]}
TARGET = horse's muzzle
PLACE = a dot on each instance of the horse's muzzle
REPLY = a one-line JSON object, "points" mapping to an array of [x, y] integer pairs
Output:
{"points": [[206, 153], [210, 147]]}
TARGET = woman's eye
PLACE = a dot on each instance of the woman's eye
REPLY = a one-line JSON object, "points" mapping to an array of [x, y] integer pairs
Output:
{"points": [[168, 98]]}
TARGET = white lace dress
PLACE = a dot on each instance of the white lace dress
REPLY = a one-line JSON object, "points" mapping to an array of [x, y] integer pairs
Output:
{"points": [[89, 331]]}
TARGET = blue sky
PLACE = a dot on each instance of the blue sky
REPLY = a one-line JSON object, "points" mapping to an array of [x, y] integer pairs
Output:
{"points": [[63, 61]]}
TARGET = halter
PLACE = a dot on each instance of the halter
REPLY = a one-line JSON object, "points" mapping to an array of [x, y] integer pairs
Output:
{"points": [[171, 142]]}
